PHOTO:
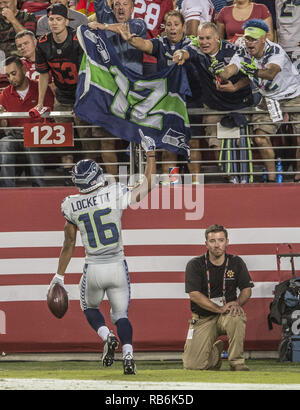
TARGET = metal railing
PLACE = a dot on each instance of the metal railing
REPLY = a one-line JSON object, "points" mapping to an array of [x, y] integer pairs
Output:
{"points": [[211, 168]]}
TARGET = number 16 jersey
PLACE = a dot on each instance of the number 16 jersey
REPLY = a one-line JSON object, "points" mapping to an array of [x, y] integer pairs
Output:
{"points": [[63, 61], [98, 218]]}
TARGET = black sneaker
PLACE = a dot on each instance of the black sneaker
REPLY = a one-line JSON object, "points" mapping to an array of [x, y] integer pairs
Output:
{"points": [[129, 365], [110, 345]]}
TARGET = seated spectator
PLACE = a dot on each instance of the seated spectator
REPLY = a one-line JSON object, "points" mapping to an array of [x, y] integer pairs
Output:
{"points": [[231, 19], [196, 12], [269, 68], [163, 49], [12, 21], [153, 13], [20, 96], [75, 19], [235, 94]]}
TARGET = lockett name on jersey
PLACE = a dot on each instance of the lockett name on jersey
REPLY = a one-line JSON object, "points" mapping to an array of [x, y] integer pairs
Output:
{"points": [[85, 203]]}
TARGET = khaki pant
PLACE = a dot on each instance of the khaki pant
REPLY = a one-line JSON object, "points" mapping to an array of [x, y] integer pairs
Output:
{"points": [[199, 353], [272, 128]]}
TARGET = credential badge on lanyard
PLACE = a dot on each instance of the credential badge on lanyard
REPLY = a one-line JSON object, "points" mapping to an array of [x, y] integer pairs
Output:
{"points": [[223, 298]]}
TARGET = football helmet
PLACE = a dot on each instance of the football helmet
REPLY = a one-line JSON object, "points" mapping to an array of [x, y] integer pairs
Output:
{"points": [[87, 175]]}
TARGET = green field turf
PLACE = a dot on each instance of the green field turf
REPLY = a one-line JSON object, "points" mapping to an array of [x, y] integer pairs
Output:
{"points": [[261, 371]]}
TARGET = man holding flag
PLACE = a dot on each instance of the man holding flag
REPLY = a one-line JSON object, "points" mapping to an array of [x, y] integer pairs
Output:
{"points": [[125, 103]]}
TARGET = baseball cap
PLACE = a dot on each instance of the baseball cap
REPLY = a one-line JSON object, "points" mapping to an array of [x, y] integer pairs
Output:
{"points": [[59, 9]]}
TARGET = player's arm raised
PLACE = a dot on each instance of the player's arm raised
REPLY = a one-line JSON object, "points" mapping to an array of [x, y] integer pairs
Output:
{"points": [[149, 181]]}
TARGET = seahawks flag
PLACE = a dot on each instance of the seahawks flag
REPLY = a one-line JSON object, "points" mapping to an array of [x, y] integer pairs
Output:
{"points": [[113, 97]]}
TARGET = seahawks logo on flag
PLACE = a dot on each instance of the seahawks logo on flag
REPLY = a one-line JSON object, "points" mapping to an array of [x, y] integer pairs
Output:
{"points": [[124, 103]]}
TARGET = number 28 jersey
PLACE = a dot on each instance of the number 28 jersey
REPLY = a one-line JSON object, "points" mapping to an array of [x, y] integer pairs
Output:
{"points": [[63, 61], [98, 218]]}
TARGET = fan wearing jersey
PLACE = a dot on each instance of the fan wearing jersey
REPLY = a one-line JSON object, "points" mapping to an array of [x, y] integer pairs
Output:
{"points": [[109, 16], [163, 48], [96, 212], [268, 66], [26, 45], [153, 13], [196, 12], [206, 51], [288, 33], [60, 54]]}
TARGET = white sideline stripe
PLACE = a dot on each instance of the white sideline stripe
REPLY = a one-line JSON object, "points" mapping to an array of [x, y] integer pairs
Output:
{"points": [[23, 266], [156, 237], [59, 384], [30, 293]]}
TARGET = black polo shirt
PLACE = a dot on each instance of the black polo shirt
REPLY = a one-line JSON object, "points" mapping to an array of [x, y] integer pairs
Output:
{"points": [[237, 277]]}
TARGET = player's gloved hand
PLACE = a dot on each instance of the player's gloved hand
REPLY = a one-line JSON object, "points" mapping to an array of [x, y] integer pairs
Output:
{"points": [[147, 143], [38, 111], [250, 70], [57, 279], [216, 66]]}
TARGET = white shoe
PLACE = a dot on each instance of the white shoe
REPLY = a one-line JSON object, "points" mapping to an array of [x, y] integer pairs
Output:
{"points": [[129, 364], [110, 345]]}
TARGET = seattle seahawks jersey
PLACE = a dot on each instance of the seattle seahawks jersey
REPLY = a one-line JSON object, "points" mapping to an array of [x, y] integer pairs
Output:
{"points": [[163, 50], [288, 17], [285, 85], [213, 98], [98, 218]]}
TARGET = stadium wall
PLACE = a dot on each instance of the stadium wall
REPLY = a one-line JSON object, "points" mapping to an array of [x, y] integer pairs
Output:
{"points": [[158, 243]]}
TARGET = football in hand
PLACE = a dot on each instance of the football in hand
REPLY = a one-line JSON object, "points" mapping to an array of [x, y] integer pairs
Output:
{"points": [[58, 300]]}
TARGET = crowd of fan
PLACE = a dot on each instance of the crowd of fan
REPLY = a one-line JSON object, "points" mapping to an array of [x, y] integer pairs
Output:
{"points": [[24, 29]]}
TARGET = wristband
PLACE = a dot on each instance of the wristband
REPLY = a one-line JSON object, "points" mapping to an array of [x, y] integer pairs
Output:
{"points": [[105, 26]]}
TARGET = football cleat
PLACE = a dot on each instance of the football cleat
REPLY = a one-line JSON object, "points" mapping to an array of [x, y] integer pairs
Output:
{"points": [[129, 364], [110, 345]]}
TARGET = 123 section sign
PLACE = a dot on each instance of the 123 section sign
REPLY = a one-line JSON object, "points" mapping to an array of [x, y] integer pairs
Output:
{"points": [[48, 135]]}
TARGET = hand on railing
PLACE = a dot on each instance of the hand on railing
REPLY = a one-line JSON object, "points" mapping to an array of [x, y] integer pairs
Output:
{"points": [[37, 111]]}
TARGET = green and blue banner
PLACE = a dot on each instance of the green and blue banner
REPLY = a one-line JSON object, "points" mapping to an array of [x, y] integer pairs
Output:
{"points": [[123, 102]]}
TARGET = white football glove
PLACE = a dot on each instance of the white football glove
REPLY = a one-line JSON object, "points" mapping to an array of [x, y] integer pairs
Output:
{"points": [[147, 143], [57, 279]]}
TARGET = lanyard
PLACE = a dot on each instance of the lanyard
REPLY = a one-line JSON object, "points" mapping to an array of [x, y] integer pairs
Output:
{"points": [[224, 276]]}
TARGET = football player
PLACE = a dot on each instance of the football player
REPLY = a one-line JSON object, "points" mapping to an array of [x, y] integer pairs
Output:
{"points": [[97, 212]]}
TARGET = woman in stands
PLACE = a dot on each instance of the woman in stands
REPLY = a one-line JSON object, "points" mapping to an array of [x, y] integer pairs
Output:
{"points": [[231, 19]]}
